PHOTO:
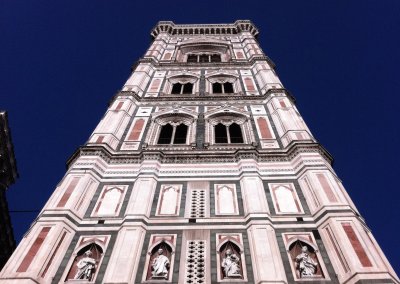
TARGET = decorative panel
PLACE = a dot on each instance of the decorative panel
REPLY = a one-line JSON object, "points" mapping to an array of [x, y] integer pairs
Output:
{"points": [[356, 244], [71, 186], [169, 200], [110, 200], [285, 198], [326, 187], [33, 250], [225, 199], [195, 270]]}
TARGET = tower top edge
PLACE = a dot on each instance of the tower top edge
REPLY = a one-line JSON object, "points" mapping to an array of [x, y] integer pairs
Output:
{"points": [[191, 29]]}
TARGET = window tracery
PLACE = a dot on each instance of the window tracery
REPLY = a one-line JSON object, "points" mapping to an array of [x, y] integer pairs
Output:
{"points": [[184, 83], [229, 129], [172, 129]]}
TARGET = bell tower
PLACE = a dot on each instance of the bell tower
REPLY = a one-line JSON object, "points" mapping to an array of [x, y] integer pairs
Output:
{"points": [[202, 170]]}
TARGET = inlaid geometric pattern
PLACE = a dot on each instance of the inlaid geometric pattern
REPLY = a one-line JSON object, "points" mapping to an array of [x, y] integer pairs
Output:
{"points": [[198, 204], [195, 262]]}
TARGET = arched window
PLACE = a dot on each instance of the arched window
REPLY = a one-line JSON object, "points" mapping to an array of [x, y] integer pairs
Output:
{"points": [[221, 134], [222, 88], [203, 58], [86, 263], [179, 88], [235, 133], [173, 134], [228, 133], [160, 262]]}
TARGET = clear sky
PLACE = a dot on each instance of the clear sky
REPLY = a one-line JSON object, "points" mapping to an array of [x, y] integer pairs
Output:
{"points": [[62, 61]]}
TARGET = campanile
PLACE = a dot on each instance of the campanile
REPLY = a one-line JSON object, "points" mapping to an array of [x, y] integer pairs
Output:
{"points": [[202, 170]]}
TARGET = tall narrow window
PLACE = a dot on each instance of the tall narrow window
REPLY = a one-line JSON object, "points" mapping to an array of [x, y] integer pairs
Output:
{"points": [[187, 88], [228, 87], [217, 88], [165, 134], [173, 134], [179, 88], [180, 134], [221, 135], [235, 133], [176, 89]]}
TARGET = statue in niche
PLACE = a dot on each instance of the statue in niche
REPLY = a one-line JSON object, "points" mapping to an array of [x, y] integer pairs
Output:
{"points": [[230, 264], [86, 267], [305, 264], [160, 265]]}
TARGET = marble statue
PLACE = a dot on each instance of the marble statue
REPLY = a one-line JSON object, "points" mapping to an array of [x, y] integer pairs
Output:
{"points": [[160, 265], [230, 264], [86, 267], [305, 264]]}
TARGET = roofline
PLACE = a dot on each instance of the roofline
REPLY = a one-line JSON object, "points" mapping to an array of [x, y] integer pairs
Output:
{"points": [[190, 29]]}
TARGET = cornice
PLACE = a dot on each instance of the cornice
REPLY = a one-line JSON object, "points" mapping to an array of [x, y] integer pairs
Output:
{"points": [[171, 28], [201, 156], [232, 63], [201, 100]]}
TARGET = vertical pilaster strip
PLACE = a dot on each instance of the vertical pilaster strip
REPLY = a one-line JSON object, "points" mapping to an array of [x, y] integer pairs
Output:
{"points": [[30, 255]]}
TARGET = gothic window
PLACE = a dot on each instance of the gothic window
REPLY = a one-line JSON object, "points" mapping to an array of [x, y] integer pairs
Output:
{"points": [[230, 261], [159, 265], [305, 260], [178, 88], [228, 128], [170, 129], [225, 133], [173, 134], [86, 263], [203, 58], [222, 88]]}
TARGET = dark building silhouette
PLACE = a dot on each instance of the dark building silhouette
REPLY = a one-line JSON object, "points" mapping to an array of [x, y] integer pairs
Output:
{"points": [[8, 175]]}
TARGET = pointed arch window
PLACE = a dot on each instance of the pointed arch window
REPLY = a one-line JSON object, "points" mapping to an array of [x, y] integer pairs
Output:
{"points": [[222, 88], [173, 134], [178, 88], [203, 58], [228, 133]]}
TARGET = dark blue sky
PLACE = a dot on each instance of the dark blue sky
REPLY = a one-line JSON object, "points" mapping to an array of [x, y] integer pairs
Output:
{"points": [[61, 62]]}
